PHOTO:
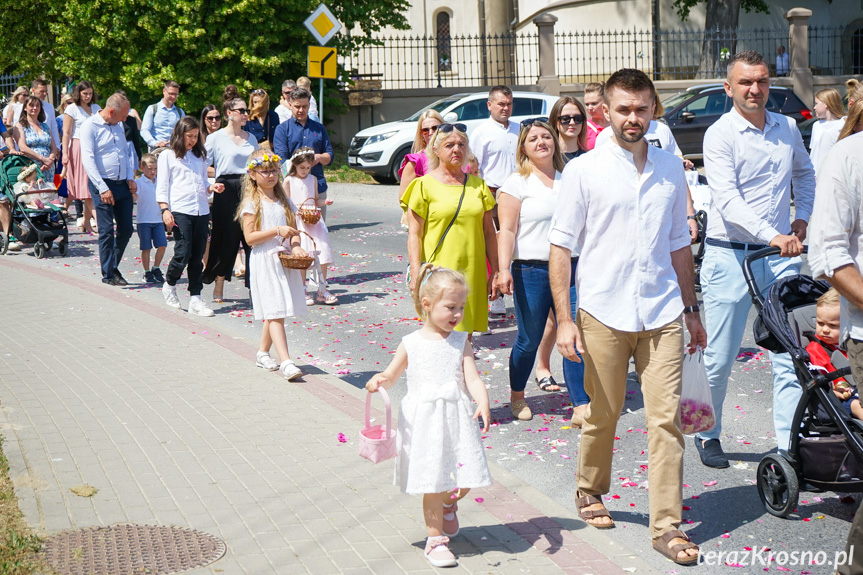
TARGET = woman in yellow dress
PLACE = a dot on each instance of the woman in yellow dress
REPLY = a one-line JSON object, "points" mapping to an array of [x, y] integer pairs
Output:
{"points": [[432, 204]]}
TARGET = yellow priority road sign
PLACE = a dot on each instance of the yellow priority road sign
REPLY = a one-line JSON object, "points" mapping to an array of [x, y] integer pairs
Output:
{"points": [[322, 62]]}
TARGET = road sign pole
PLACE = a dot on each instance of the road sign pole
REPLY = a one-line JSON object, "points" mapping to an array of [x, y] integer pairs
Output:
{"points": [[321, 102]]}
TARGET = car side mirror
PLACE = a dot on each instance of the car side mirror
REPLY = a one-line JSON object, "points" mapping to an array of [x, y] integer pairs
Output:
{"points": [[450, 117], [686, 117]]}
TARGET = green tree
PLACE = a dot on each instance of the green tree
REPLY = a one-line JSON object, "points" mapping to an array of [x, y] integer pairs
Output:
{"points": [[720, 27], [203, 44]]}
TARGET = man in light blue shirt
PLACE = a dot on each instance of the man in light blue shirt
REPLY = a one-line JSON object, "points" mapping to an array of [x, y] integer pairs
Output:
{"points": [[752, 157], [159, 119]]}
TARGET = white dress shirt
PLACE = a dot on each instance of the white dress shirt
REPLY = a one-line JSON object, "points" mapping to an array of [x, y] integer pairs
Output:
{"points": [[658, 134], [627, 225], [836, 233], [534, 219], [494, 146], [51, 120], [750, 173], [104, 152], [825, 133], [182, 183], [783, 63], [284, 113]]}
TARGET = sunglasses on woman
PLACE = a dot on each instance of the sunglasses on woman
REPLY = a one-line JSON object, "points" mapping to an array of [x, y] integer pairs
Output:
{"points": [[213, 118], [430, 130], [531, 121], [574, 119], [243, 111], [256, 92], [447, 128]]}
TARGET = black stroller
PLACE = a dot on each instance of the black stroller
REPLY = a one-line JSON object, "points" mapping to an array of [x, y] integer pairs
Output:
{"points": [[826, 451], [40, 227]]}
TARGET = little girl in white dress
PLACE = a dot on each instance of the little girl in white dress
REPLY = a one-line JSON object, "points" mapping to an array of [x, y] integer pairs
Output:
{"points": [[440, 452], [267, 217], [300, 186]]}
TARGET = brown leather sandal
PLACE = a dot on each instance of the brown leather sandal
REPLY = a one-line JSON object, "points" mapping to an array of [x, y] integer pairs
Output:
{"points": [[582, 501], [661, 545]]}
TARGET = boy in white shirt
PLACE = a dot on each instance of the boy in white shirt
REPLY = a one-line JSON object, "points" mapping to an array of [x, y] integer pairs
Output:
{"points": [[151, 230]]}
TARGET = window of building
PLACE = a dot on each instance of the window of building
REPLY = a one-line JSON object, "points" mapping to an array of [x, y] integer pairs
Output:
{"points": [[444, 54]]}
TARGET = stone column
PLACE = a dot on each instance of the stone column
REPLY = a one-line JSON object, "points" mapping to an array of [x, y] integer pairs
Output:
{"points": [[798, 34], [548, 81]]}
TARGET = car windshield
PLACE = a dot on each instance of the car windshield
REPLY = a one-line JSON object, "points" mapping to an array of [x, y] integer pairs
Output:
{"points": [[437, 107], [676, 100]]}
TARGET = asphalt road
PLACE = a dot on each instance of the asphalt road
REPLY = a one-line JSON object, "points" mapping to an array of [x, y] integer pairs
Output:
{"points": [[356, 338]]}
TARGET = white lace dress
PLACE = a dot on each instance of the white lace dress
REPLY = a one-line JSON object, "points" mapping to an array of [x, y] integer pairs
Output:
{"points": [[439, 444], [301, 190], [277, 292]]}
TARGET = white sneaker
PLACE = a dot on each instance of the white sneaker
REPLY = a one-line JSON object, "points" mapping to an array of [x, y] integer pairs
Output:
{"points": [[198, 307], [290, 370], [170, 294], [497, 307], [14, 247], [263, 359]]}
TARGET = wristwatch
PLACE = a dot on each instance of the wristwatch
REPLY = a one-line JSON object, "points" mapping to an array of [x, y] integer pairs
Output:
{"points": [[691, 217], [165, 210], [691, 309]]}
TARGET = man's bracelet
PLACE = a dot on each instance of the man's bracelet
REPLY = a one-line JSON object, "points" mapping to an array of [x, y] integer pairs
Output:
{"points": [[691, 217], [691, 309], [165, 210]]}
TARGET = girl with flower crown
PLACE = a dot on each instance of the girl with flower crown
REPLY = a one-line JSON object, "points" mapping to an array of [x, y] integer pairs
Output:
{"points": [[269, 226]]}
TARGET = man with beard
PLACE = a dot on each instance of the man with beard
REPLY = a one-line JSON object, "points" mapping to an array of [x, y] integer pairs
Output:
{"points": [[631, 301], [752, 157]]}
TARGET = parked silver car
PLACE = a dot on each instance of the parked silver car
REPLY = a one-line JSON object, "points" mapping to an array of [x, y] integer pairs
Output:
{"points": [[380, 150]]}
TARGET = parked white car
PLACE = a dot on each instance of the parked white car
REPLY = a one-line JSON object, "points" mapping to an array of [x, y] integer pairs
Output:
{"points": [[380, 150]]}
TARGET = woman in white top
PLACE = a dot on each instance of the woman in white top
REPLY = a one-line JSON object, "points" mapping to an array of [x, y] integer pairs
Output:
{"points": [[228, 151], [12, 112], [77, 183], [526, 203], [825, 132], [181, 190]]}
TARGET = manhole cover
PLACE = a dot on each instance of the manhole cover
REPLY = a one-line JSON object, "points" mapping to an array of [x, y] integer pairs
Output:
{"points": [[128, 549]]}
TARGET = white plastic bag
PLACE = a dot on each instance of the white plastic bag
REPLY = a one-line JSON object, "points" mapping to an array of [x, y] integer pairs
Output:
{"points": [[696, 403]]}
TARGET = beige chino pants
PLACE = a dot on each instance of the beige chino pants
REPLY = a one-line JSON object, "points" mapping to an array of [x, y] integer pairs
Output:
{"points": [[658, 357]]}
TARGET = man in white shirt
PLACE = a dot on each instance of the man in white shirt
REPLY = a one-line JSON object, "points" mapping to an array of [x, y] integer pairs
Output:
{"points": [[836, 254], [631, 300], [39, 88], [783, 61], [494, 143], [283, 110], [111, 171], [752, 157]]}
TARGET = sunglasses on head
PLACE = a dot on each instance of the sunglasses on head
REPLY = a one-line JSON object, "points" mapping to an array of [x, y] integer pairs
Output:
{"points": [[531, 121], [447, 128], [575, 118], [256, 92], [430, 130], [241, 110]]}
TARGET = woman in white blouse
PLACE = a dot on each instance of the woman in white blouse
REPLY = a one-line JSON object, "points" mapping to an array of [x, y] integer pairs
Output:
{"points": [[526, 204], [77, 183], [181, 190]]}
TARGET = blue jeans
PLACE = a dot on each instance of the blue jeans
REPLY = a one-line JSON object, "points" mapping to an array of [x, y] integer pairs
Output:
{"points": [[110, 248], [533, 301], [726, 308]]}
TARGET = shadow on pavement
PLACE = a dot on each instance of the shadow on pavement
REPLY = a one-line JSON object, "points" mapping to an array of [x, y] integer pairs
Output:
{"points": [[352, 226], [353, 279]]}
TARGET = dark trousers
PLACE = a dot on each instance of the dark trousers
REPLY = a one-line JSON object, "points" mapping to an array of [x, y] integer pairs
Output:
{"points": [[190, 242], [227, 232], [110, 248]]}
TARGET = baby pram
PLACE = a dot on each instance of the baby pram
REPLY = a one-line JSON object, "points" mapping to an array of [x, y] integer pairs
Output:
{"points": [[826, 451], [40, 227]]}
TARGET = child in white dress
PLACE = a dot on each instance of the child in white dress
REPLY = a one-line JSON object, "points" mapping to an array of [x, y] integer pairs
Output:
{"points": [[440, 452], [267, 217], [300, 186]]}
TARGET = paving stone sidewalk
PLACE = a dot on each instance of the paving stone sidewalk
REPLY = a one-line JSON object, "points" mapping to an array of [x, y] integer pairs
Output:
{"points": [[174, 425]]}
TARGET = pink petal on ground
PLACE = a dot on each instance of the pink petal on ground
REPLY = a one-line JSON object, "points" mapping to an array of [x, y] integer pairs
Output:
{"points": [[709, 483], [479, 499], [342, 438]]}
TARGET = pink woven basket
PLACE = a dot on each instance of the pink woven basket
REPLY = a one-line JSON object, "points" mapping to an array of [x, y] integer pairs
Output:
{"points": [[378, 442]]}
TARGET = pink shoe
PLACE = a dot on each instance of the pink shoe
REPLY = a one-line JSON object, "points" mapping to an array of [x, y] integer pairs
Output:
{"points": [[437, 552], [450, 520]]}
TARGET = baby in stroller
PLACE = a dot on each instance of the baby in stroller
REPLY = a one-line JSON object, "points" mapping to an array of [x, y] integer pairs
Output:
{"points": [[826, 343], [42, 191]]}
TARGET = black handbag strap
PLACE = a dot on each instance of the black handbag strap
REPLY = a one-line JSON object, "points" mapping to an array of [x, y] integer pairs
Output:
{"points": [[452, 221]]}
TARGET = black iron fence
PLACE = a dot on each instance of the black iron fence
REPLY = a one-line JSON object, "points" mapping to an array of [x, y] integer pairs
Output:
{"points": [[450, 61], [469, 61], [8, 83], [666, 55]]}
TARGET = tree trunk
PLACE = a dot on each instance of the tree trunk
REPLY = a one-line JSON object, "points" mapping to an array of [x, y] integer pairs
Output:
{"points": [[720, 34]]}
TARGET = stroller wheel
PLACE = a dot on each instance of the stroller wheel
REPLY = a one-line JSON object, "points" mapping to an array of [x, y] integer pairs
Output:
{"points": [[778, 485], [63, 247], [4, 244], [39, 250]]}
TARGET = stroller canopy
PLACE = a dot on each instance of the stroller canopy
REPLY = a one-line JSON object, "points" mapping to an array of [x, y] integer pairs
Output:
{"points": [[776, 327]]}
